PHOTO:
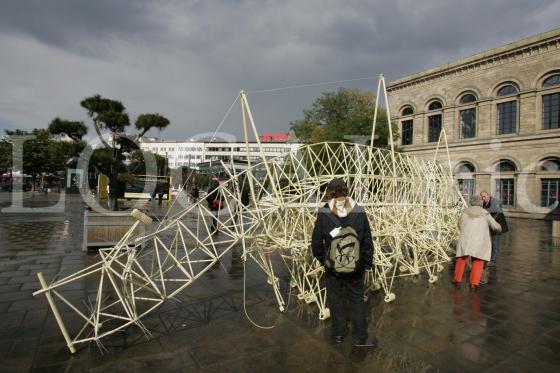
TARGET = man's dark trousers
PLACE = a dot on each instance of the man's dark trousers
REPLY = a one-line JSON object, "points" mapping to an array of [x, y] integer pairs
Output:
{"points": [[353, 286]]}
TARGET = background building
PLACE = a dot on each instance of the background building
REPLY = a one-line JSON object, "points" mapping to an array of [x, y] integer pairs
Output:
{"points": [[195, 154], [501, 112], [178, 153]]}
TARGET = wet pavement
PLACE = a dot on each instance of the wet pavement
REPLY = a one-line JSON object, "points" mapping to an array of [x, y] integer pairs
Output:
{"points": [[512, 324]]}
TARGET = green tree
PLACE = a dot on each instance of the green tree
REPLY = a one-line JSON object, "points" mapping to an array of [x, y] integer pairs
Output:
{"points": [[146, 122], [70, 144], [102, 159], [35, 152], [110, 115], [61, 152], [74, 130], [137, 163], [98, 109], [334, 116], [6, 160], [45, 155]]}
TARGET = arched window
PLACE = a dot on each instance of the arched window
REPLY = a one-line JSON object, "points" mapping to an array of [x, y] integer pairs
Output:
{"points": [[505, 186], [505, 166], [551, 104], [466, 182], [467, 99], [465, 168], [467, 116], [507, 111], [551, 81], [434, 121], [550, 181], [551, 164], [407, 110], [435, 105], [507, 90], [407, 132]]}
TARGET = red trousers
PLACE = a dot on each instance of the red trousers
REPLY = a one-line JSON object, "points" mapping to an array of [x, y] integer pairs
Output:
{"points": [[476, 270]]}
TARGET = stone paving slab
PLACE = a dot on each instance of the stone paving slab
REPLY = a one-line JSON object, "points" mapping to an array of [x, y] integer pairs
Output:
{"points": [[513, 324]]}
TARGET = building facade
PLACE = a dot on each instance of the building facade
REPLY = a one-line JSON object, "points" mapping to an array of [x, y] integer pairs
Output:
{"points": [[178, 153], [500, 112], [190, 153]]}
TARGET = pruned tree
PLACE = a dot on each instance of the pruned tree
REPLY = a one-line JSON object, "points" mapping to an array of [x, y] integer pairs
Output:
{"points": [[137, 163], [146, 122], [111, 115], [73, 129]]}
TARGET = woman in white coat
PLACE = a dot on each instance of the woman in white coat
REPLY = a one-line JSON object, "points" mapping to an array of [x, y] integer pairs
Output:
{"points": [[474, 241]]}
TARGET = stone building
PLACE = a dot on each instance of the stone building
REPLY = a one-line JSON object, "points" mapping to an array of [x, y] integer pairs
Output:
{"points": [[501, 113]]}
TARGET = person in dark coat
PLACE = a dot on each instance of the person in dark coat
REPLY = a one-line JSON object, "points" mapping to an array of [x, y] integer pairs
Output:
{"points": [[160, 196], [245, 195], [216, 202], [494, 207], [245, 199], [195, 193], [343, 211], [154, 194]]}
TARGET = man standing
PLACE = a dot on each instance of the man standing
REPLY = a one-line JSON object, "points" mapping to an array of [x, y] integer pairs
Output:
{"points": [[494, 207]]}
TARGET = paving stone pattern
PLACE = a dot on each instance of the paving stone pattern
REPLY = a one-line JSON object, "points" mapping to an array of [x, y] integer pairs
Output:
{"points": [[511, 325]]}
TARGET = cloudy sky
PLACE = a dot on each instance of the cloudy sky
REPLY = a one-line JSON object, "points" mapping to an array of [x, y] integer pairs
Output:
{"points": [[188, 59]]}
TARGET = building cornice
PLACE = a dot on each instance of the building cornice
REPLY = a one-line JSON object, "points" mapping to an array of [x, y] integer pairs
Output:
{"points": [[518, 50], [485, 143]]}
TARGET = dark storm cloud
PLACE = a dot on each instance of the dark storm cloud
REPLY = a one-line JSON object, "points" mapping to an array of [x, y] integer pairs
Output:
{"points": [[74, 24], [188, 59]]}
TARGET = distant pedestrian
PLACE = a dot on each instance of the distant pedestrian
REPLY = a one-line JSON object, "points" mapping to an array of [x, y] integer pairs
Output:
{"points": [[153, 195], [342, 243], [245, 194], [195, 194], [474, 241], [216, 202], [160, 196], [494, 207], [244, 199]]}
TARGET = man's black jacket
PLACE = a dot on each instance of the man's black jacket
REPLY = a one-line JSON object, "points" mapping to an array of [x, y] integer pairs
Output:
{"points": [[327, 221], [495, 209]]}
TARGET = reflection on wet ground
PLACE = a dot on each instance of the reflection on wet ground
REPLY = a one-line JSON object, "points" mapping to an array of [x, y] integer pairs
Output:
{"points": [[513, 324]]}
